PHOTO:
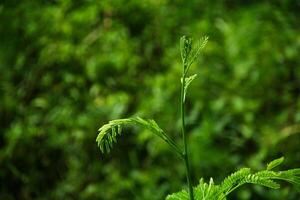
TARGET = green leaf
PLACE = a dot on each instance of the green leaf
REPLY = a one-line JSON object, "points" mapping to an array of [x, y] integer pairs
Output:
{"points": [[275, 163], [292, 176], [108, 133], [182, 195], [190, 51], [188, 81], [266, 178], [234, 179], [185, 48], [202, 191], [195, 52]]}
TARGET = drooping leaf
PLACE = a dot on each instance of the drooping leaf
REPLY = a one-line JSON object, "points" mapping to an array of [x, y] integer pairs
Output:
{"points": [[108, 133]]}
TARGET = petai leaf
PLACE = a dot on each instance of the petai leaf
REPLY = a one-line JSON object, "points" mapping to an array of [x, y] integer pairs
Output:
{"points": [[266, 178], [108, 133], [182, 195], [190, 51], [275, 163], [188, 81]]}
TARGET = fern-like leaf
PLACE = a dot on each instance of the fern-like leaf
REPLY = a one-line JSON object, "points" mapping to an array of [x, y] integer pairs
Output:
{"points": [[196, 49], [292, 176], [202, 191], [108, 133], [190, 51], [259, 180], [234, 179], [266, 178], [182, 195]]}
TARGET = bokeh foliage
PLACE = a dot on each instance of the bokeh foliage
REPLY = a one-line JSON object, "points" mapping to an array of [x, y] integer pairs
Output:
{"points": [[67, 67]]}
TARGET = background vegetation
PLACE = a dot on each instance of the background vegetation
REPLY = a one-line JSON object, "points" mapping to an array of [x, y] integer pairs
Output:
{"points": [[67, 67]]}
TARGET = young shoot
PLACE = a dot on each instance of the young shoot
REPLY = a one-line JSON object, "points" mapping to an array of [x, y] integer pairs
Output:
{"points": [[109, 132]]}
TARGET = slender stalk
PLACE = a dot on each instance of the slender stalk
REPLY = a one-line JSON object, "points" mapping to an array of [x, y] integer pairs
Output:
{"points": [[185, 151], [172, 144]]}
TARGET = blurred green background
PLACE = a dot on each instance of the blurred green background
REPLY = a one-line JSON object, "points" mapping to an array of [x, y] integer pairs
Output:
{"points": [[67, 67]]}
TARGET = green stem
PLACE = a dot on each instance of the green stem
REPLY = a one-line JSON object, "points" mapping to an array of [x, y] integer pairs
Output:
{"points": [[185, 152], [172, 144], [156, 130]]}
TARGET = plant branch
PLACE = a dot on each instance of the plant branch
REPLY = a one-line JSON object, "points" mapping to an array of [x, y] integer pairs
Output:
{"points": [[185, 152], [108, 132]]}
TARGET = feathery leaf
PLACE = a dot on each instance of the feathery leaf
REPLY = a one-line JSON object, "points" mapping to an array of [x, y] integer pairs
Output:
{"points": [[190, 51], [108, 133], [266, 178]]}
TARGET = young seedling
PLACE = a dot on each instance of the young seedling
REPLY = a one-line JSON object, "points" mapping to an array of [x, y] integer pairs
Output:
{"points": [[203, 191]]}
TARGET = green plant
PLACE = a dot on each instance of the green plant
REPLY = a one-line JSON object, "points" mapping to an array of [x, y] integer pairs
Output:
{"points": [[267, 178], [108, 136]]}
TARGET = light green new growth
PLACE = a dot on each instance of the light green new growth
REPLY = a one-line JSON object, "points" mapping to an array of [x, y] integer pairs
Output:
{"points": [[275, 163], [108, 134], [188, 81], [189, 53], [243, 176]]}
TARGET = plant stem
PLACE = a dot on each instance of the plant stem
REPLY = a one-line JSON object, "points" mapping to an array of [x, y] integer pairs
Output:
{"points": [[173, 145], [185, 151]]}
